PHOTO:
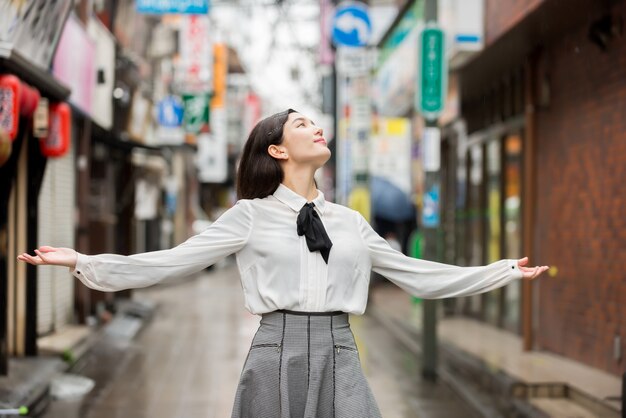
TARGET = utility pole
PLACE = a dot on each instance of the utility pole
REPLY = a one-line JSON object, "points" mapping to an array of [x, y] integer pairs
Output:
{"points": [[431, 96]]}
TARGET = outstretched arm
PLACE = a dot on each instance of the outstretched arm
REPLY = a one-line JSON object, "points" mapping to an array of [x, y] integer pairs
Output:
{"points": [[112, 272], [431, 280]]}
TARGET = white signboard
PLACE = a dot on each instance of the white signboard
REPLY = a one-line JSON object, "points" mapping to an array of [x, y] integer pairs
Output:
{"points": [[352, 62], [432, 149], [463, 21], [212, 155], [396, 78], [390, 152], [196, 52], [102, 103]]}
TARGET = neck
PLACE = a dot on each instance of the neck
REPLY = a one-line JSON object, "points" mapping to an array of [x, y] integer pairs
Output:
{"points": [[301, 182]]}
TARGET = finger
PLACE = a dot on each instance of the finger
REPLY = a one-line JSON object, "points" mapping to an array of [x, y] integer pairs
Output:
{"points": [[529, 272], [522, 261], [40, 255], [32, 260], [47, 248]]}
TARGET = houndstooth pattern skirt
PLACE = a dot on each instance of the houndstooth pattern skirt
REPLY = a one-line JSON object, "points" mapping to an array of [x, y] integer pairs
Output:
{"points": [[304, 365]]}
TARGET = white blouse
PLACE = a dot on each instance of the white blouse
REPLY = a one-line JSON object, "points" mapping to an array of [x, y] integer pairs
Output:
{"points": [[279, 272]]}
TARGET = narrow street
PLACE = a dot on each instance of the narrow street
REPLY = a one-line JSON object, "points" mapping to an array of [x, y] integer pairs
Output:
{"points": [[186, 362]]}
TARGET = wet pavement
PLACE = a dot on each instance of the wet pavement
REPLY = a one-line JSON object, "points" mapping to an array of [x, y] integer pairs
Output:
{"points": [[187, 361]]}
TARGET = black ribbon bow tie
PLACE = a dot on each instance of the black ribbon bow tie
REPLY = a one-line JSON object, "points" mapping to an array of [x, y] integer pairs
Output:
{"points": [[310, 225]]}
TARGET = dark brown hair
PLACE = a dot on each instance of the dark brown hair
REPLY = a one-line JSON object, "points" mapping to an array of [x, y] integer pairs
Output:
{"points": [[259, 174]]}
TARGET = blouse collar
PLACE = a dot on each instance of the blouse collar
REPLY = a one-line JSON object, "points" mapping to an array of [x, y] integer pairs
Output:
{"points": [[295, 201]]}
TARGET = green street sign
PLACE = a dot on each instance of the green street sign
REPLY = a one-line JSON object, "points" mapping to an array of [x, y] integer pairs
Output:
{"points": [[433, 72], [196, 111]]}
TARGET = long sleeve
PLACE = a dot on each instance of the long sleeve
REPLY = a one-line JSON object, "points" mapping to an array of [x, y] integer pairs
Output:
{"points": [[112, 272], [431, 280]]}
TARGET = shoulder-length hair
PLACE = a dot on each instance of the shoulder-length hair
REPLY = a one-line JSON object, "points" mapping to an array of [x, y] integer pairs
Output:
{"points": [[259, 174]]}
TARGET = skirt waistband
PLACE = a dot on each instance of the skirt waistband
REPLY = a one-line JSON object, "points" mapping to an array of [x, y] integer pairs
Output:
{"points": [[331, 313], [284, 317]]}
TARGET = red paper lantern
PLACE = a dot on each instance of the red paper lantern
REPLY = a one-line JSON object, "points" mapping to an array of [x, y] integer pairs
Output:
{"points": [[10, 93], [29, 99], [57, 142]]}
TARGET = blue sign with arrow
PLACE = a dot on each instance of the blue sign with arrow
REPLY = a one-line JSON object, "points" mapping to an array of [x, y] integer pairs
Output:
{"points": [[170, 112], [352, 25]]}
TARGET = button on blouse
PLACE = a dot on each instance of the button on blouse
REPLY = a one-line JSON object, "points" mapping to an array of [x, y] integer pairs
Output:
{"points": [[278, 271]]}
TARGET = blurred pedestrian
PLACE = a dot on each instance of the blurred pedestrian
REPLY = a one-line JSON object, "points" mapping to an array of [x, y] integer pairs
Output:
{"points": [[304, 265]]}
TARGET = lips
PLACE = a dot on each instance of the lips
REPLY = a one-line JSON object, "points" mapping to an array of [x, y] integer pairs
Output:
{"points": [[320, 140]]}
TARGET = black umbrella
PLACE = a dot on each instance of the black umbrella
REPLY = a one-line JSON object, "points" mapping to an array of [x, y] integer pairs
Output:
{"points": [[389, 201]]}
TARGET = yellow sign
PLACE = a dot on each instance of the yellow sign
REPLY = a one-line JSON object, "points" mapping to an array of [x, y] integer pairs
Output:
{"points": [[220, 72]]}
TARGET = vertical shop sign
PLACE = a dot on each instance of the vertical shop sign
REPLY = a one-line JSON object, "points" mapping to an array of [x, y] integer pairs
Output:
{"points": [[220, 72], [41, 119], [196, 113], [195, 53], [432, 147], [432, 72], [326, 53]]}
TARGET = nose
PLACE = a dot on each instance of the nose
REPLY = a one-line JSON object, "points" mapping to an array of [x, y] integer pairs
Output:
{"points": [[319, 131]]}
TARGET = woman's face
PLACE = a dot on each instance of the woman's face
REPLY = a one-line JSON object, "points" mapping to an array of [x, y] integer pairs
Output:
{"points": [[303, 142]]}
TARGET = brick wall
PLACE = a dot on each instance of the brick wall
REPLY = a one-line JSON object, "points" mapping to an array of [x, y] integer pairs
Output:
{"points": [[581, 201], [504, 14]]}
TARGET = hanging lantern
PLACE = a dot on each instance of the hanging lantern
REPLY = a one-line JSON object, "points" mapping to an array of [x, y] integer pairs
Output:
{"points": [[10, 92], [29, 98], [57, 142]]}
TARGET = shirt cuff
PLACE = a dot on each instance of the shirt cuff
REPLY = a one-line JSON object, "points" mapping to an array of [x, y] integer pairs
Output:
{"points": [[514, 269], [79, 268]]}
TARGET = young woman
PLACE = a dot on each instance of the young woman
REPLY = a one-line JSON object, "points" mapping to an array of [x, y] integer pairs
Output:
{"points": [[304, 265]]}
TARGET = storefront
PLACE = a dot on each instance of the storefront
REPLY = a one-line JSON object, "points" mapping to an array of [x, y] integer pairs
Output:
{"points": [[482, 177], [30, 98]]}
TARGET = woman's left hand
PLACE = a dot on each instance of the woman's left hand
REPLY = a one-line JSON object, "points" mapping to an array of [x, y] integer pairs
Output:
{"points": [[530, 273]]}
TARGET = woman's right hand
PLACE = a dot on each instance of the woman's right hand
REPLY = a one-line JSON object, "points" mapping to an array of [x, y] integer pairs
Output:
{"points": [[56, 256]]}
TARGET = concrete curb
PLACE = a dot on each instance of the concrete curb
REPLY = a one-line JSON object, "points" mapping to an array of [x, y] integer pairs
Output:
{"points": [[490, 393], [30, 378]]}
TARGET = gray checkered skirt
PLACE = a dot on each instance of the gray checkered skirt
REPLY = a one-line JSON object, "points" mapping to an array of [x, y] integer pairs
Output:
{"points": [[304, 365]]}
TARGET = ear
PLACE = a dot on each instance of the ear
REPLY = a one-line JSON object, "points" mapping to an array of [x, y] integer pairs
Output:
{"points": [[280, 153]]}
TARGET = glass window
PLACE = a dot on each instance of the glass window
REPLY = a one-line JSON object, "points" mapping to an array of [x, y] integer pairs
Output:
{"points": [[475, 219], [512, 225], [493, 221]]}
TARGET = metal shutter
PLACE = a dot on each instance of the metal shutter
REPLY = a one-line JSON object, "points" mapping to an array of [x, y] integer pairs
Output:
{"points": [[55, 289]]}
